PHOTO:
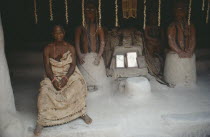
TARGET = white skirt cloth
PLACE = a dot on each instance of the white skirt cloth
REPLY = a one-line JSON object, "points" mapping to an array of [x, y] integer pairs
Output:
{"points": [[180, 71], [93, 74]]}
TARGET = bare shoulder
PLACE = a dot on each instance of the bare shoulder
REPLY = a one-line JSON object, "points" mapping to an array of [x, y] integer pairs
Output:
{"points": [[71, 47], [48, 47]]}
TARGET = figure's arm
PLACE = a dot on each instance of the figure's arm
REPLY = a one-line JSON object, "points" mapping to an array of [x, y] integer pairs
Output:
{"points": [[77, 40], [47, 66], [78, 33], [102, 41], [171, 39], [192, 39], [102, 45], [73, 64], [71, 70]]}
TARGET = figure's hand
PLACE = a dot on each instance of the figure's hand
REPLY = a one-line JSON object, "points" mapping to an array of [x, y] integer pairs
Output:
{"points": [[185, 54], [182, 55], [63, 82], [97, 60], [189, 54], [82, 58], [56, 85]]}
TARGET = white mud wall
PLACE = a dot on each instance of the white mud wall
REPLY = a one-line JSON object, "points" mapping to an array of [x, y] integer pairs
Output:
{"points": [[10, 123]]}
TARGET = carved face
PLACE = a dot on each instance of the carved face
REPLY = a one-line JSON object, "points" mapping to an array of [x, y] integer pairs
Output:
{"points": [[90, 11], [58, 33], [180, 11]]}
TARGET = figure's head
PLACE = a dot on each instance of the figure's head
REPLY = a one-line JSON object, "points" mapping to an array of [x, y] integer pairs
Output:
{"points": [[58, 33], [90, 10], [180, 10]]}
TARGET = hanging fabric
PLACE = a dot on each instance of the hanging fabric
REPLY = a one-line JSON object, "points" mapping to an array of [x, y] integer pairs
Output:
{"points": [[145, 14], [159, 13], [203, 5], [207, 14], [189, 11], [51, 10], [66, 12], [35, 13], [129, 8], [99, 12], [83, 13], [116, 14]]}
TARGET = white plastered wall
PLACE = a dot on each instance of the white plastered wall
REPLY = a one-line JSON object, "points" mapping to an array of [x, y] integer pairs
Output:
{"points": [[10, 123]]}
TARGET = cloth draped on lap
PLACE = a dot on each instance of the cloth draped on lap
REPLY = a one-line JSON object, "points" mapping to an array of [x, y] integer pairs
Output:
{"points": [[59, 107], [93, 74], [180, 71]]}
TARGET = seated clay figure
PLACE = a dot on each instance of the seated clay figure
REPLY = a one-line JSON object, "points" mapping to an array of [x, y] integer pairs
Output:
{"points": [[154, 46], [62, 96], [90, 44], [180, 61], [181, 35], [153, 36]]}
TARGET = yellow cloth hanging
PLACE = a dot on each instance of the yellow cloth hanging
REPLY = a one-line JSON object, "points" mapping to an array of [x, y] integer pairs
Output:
{"points": [[129, 8]]}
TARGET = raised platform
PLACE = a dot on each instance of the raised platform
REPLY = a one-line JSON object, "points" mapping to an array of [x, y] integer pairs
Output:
{"points": [[169, 112]]}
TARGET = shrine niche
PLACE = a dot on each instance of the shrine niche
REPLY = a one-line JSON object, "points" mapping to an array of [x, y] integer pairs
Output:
{"points": [[129, 37], [127, 62], [124, 53]]}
